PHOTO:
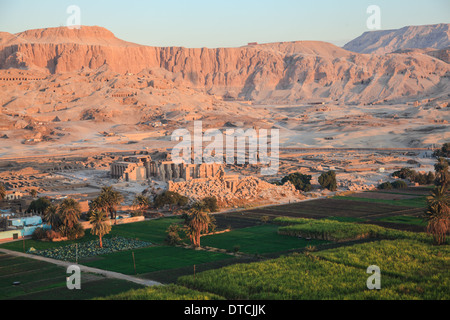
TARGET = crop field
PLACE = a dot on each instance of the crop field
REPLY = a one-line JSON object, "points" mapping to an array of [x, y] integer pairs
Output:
{"points": [[257, 240], [409, 270], [41, 280], [153, 259]]}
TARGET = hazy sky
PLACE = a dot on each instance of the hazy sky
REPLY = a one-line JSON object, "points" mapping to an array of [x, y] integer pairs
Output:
{"points": [[223, 23]]}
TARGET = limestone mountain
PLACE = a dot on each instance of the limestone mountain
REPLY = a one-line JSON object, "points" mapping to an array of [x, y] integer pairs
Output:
{"points": [[271, 73], [412, 37]]}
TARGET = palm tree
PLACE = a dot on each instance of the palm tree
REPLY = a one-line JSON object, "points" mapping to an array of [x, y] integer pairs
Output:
{"points": [[442, 173], [107, 201], [2, 191], [197, 222], [69, 211], [52, 217], [100, 224], [438, 214]]}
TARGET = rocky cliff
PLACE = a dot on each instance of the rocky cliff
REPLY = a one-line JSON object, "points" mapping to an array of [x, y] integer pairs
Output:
{"points": [[278, 72]]}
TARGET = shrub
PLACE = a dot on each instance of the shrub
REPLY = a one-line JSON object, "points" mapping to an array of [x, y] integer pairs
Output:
{"points": [[385, 186], [399, 184], [52, 235], [327, 180], [300, 181], [39, 234]]}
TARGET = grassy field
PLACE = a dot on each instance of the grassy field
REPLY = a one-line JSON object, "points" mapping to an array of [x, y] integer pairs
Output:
{"points": [[153, 259], [256, 240], [409, 270], [405, 220], [153, 231], [40, 280], [415, 202], [170, 292]]}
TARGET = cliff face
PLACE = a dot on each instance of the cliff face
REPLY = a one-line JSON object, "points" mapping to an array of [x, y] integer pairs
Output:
{"points": [[412, 37], [279, 72]]}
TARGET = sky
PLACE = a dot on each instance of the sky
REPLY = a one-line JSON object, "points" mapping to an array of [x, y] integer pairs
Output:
{"points": [[224, 23]]}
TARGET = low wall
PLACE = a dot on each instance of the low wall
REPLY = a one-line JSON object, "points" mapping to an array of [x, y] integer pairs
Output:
{"points": [[87, 224]]}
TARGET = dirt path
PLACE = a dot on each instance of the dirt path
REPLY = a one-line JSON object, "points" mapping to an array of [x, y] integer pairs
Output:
{"points": [[108, 274]]}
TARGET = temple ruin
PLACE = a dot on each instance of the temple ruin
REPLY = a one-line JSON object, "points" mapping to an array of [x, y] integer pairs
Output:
{"points": [[140, 168]]}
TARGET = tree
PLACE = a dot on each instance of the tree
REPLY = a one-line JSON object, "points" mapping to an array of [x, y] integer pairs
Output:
{"points": [[107, 201], [33, 193], [173, 234], [197, 222], [438, 214], [39, 205], [170, 198], [443, 152], [69, 211], [52, 217], [2, 191], [385, 186], [442, 173], [208, 204], [141, 202], [300, 181], [328, 180], [100, 224]]}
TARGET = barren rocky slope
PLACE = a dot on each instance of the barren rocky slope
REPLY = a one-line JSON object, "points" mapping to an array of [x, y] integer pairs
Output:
{"points": [[412, 37], [276, 73]]}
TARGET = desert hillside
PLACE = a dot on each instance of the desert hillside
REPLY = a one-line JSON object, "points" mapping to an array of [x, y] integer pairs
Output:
{"points": [[411, 37], [275, 73]]}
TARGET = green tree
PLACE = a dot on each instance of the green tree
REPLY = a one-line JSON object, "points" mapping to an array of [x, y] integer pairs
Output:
{"points": [[438, 214], [170, 198], [107, 201], [328, 180], [300, 181], [197, 222], [443, 152], [69, 211], [100, 225], [173, 234], [52, 217], [39, 205], [141, 202], [442, 173], [33, 193]]}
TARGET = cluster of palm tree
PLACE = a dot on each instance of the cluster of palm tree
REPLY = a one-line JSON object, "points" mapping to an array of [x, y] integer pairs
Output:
{"points": [[437, 214], [106, 203], [64, 218], [197, 221], [141, 203]]}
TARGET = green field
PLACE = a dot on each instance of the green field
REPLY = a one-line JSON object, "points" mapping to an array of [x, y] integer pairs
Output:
{"points": [[169, 292], [153, 259], [257, 240], [42, 281], [409, 270], [416, 202], [404, 220]]}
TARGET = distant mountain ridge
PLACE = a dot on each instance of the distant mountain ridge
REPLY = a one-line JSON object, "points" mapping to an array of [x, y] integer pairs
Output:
{"points": [[411, 37], [285, 72]]}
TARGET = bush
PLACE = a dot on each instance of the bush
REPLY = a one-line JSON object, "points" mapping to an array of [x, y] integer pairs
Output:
{"points": [[75, 233], [170, 198], [385, 186], [399, 184], [327, 180], [52, 235], [300, 181], [39, 234]]}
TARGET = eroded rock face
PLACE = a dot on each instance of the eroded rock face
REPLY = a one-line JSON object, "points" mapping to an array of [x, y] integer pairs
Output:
{"points": [[278, 72], [411, 37]]}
